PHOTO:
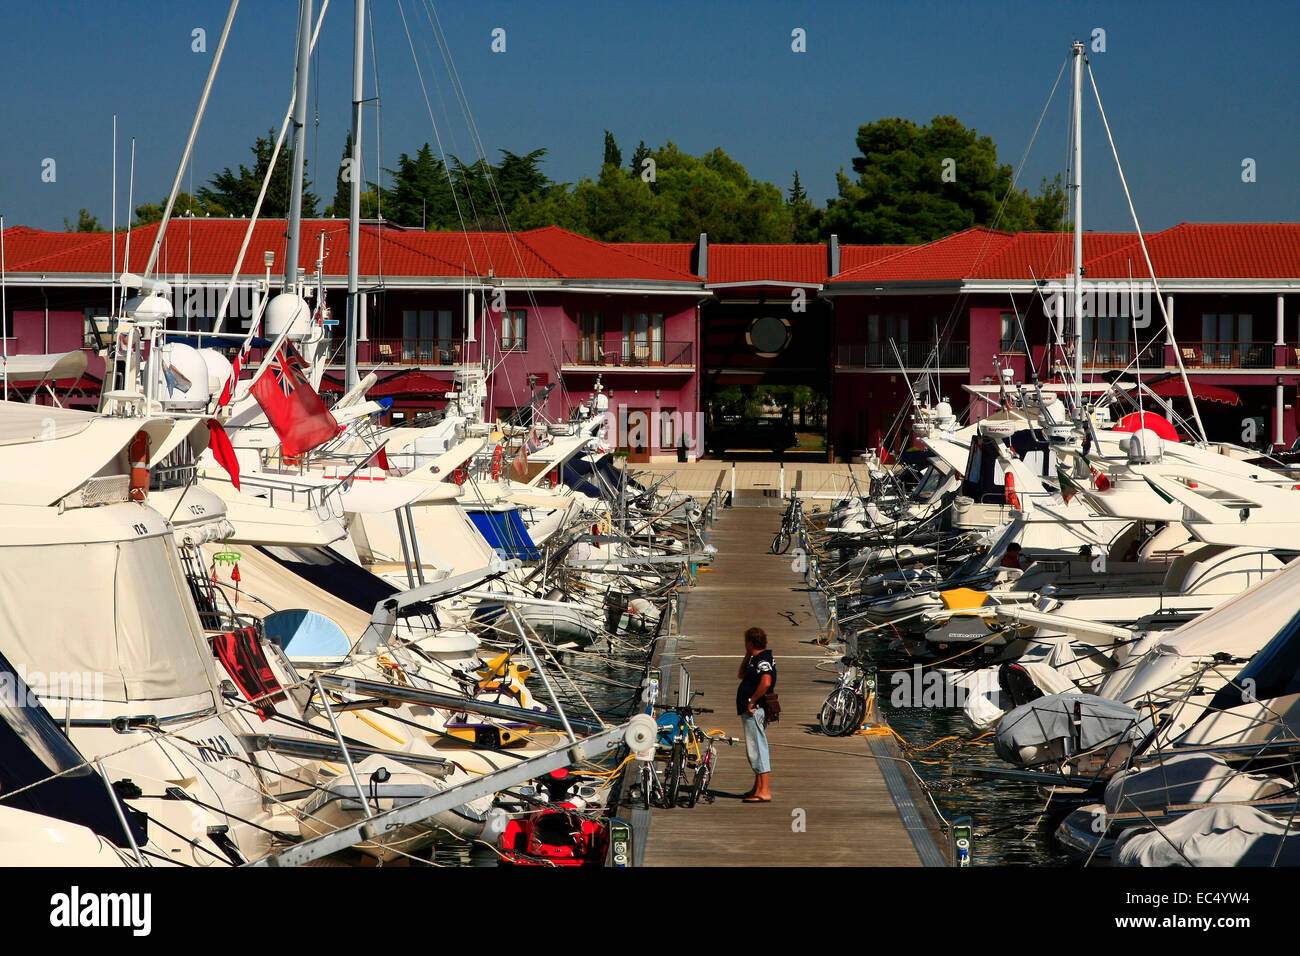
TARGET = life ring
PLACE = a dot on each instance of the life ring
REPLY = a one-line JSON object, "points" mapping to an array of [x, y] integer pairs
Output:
{"points": [[139, 456], [498, 462]]}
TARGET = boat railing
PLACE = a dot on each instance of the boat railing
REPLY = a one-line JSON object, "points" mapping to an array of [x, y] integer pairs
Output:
{"points": [[310, 496]]}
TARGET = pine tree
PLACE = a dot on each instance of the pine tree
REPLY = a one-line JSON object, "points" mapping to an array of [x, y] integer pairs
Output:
{"points": [[613, 155]]}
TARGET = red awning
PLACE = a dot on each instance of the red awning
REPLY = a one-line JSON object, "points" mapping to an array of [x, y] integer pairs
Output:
{"points": [[1204, 392], [415, 382], [412, 383]]}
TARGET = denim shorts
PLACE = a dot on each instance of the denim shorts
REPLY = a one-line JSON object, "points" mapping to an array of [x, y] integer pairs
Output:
{"points": [[760, 760]]}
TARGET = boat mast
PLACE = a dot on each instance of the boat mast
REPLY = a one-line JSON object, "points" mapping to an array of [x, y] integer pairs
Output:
{"points": [[1076, 174], [299, 146], [354, 213]]}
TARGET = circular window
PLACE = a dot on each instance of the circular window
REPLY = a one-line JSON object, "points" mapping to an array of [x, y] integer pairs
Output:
{"points": [[769, 335]]}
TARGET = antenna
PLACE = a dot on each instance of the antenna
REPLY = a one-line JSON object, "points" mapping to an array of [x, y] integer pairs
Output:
{"points": [[112, 262], [130, 212]]}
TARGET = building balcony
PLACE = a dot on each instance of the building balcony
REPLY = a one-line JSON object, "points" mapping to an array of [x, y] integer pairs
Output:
{"points": [[421, 352], [914, 355], [619, 356], [1235, 355], [1100, 354]]}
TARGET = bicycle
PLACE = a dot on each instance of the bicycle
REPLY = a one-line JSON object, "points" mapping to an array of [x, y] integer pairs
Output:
{"points": [[846, 706], [791, 522], [680, 734], [704, 768]]}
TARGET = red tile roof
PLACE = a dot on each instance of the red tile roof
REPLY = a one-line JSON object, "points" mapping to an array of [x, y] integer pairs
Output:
{"points": [[675, 255], [1189, 250], [1236, 250], [1045, 254], [210, 247], [805, 264], [852, 257], [953, 257]]}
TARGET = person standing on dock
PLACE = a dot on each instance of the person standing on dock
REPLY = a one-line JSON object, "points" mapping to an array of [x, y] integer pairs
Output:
{"points": [[757, 677]]}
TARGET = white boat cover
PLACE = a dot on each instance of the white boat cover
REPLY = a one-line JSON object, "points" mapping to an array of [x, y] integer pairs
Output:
{"points": [[984, 693], [24, 369], [1186, 779], [1212, 836], [268, 586], [115, 615]]}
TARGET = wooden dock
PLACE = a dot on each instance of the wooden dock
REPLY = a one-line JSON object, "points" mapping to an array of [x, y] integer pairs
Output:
{"points": [[832, 802]]}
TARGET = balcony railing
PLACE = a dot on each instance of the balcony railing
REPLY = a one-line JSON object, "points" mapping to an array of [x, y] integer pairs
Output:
{"points": [[914, 355], [616, 353], [1123, 354], [1228, 354], [411, 352]]}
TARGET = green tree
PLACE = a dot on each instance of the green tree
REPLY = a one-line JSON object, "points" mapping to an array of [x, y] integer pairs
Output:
{"points": [[804, 216], [638, 157], [342, 204], [1051, 206], [689, 195], [185, 205], [613, 155], [236, 192], [919, 183], [85, 223], [421, 195]]}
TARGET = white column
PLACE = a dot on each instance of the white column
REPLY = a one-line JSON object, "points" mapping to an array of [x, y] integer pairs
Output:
{"points": [[1279, 426], [363, 331], [1169, 330], [1281, 320]]}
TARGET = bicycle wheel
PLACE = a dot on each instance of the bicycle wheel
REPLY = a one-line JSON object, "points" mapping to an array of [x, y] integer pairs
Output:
{"points": [[703, 776], [781, 542], [840, 714], [643, 787], [675, 775]]}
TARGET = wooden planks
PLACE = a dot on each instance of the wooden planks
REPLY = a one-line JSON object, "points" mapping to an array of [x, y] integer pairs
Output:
{"points": [[832, 786]]}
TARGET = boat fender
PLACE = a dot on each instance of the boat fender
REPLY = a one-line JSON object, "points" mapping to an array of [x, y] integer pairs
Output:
{"points": [[1013, 499], [139, 466], [498, 460]]}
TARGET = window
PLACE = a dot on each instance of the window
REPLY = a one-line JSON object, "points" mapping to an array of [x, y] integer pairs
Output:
{"points": [[643, 338], [514, 329], [1013, 336], [591, 337]]}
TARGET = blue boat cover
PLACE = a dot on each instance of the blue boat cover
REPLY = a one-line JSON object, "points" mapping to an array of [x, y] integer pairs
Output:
{"points": [[506, 534], [42, 772], [307, 635]]}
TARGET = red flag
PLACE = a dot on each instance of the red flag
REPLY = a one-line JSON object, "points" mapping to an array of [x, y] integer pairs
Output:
{"points": [[520, 464], [223, 451], [379, 458], [293, 408], [236, 367]]}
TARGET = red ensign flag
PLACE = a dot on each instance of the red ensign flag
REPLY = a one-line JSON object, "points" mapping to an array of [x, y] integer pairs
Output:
{"points": [[293, 408]]}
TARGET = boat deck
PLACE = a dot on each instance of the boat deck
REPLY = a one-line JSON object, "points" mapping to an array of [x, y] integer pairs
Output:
{"points": [[833, 798]]}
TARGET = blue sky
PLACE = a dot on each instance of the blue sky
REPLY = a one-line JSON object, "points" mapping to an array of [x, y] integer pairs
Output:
{"points": [[1191, 89]]}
